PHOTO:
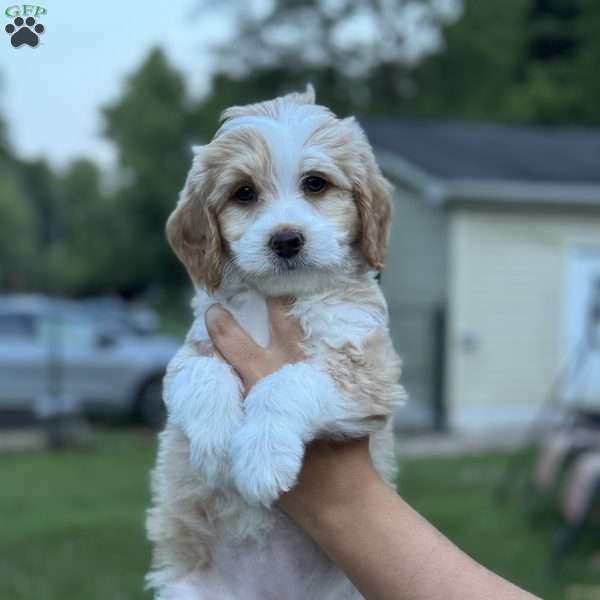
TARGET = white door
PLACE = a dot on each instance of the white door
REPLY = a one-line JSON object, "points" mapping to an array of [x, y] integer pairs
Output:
{"points": [[581, 323]]}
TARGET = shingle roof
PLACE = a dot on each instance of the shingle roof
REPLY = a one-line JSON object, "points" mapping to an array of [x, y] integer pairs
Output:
{"points": [[470, 150]]}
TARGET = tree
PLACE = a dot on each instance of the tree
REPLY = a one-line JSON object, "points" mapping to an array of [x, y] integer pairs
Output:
{"points": [[475, 67], [39, 184], [17, 232], [359, 54], [545, 91], [586, 68], [517, 61], [150, 126], [514, 60], [17, 223], [83, 260]]}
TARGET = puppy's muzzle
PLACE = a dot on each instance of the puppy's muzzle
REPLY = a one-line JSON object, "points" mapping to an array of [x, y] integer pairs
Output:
{"points": [[286, 243]]}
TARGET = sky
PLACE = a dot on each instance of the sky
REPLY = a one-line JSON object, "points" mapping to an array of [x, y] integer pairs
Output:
{"points": [[50, 95]]}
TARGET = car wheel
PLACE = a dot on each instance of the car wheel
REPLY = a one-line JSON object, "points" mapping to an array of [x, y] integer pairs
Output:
{"points": [[150, 407]]}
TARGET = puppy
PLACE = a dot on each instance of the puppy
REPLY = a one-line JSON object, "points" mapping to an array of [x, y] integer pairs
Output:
{"points": [[285, 200]]}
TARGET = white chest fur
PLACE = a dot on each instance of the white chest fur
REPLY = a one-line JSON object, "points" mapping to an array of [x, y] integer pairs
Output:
{"points": [[333, 318]]}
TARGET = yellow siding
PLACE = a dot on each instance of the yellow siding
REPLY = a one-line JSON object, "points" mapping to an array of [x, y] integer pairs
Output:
{"points": [[506, 284]]}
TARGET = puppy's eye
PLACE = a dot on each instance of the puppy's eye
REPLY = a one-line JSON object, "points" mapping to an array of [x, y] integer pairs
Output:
{"points": [[314, 184], [245, 194]]}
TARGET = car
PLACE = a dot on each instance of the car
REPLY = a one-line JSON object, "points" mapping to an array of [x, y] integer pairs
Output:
{"points": [[63, 356]]}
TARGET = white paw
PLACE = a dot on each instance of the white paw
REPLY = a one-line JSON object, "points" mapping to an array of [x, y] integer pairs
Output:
{"points": [[266, 461], [203, 397], [209, 454]]}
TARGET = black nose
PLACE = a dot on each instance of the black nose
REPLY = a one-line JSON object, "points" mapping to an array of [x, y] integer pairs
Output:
{"points": [[287, 243]]}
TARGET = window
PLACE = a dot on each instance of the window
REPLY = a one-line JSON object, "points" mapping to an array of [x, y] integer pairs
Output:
{"points": [[16, 325]]}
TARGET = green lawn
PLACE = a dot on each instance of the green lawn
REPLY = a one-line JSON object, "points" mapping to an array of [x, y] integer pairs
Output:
{"points": [[71, 524]]}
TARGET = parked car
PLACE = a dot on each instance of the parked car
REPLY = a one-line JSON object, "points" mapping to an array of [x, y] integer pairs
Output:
{"points": [[60, 355]]}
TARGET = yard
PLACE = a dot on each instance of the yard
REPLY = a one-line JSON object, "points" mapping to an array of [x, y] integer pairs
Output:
{"points": [[71, 525]]}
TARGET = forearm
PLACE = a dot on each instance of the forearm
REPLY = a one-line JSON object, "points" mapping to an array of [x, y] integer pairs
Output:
{"points": [[384, 547], [391, 552]]}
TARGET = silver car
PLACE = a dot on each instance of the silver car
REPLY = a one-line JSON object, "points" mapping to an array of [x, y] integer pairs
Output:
{"points": [[65, 356]]}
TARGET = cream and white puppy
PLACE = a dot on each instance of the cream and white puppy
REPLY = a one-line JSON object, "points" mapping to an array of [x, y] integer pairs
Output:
{"points": [[285, 200]]}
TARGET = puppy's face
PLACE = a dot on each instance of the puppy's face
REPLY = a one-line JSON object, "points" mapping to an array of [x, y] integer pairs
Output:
{"points": [[286, 195]]}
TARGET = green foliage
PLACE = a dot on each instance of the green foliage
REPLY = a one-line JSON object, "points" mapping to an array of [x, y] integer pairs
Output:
{"points": [[585, 69], [39, 182], [17, 230], [472, 72], [93, 237], [148, 122], [150, 127], [515, 61], [364, 68]]}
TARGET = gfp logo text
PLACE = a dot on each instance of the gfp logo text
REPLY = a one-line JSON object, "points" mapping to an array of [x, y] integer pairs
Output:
{"points": [[25, 10]]}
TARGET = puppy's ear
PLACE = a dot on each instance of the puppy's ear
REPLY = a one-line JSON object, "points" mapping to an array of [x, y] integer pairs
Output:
{"points": [[193, 231], [373, 197]]}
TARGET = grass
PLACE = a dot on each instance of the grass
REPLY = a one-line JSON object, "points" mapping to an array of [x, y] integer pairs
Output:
{"points": [[71, 524]]}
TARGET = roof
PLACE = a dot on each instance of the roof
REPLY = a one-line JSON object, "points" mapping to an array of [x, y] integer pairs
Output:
{"points": [[449, 157]]}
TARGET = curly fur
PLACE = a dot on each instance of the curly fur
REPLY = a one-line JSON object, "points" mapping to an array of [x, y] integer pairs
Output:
{"points": [[223, 459]]}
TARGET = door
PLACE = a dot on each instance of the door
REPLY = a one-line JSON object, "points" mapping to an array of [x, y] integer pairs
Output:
{"points": [[581, 330]]}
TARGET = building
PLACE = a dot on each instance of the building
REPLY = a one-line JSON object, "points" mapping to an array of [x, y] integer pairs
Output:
{"points": [[494, 252]]}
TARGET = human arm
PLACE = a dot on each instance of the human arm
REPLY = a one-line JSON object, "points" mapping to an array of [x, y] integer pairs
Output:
{"points": [[385, 547], [377, 539]]}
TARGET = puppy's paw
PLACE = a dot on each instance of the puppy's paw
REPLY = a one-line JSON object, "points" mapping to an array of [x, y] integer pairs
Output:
{"points": [[266, 461], [203, 397], [209, 455]]}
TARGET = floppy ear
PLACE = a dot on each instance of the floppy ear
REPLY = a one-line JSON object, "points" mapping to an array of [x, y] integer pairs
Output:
{"points": [[373, 197], [193, 233]]}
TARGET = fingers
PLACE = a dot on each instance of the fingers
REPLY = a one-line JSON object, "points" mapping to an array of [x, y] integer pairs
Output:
{"points": [[250, 360], [283, 327], [231, 341]]}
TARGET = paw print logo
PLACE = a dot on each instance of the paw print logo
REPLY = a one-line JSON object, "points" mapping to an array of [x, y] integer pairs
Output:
{"points": [[24, 31]]}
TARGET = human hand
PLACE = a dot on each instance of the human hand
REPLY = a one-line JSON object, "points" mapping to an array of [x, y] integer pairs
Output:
{"points": [[332, 471], [331, 475], [251, 361], [268, 448]]}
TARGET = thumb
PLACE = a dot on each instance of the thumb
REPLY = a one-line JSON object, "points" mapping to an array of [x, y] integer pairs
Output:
{"points": [[232, 342]]}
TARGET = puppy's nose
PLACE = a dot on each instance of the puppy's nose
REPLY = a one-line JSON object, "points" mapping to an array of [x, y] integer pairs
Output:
{"points": [[286, 244]]}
